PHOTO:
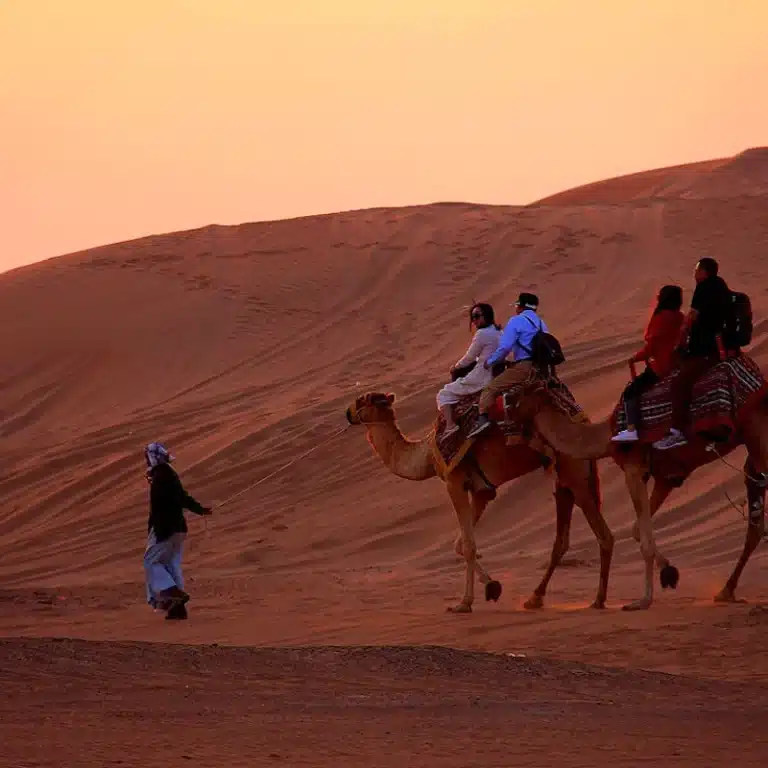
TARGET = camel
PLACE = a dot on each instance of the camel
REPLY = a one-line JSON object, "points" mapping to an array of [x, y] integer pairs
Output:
{"points": [[577, 482], [669, 470]]}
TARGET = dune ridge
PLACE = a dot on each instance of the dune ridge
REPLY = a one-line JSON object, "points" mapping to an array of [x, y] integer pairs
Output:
{"points": [[742, 175]]}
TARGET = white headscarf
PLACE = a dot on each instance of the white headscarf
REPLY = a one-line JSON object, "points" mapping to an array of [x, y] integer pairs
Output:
{"points": [[156, 453]]}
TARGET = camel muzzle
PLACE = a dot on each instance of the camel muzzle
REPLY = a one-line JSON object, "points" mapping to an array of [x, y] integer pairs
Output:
{"points": [[348, 414]]}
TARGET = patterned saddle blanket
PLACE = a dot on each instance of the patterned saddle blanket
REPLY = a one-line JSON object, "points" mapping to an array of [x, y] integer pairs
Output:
{"points": [[450, 450], [722, 399]]}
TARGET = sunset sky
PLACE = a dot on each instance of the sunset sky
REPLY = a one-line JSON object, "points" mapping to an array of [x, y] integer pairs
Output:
{"points": [[122, 118]]}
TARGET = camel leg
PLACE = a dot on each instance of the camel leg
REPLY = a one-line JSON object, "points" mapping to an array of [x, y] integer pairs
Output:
{"points": [[754, 468], [633, 476], [564, 501], [659, 494], [589, 501], [465, 514], [479, 502]]}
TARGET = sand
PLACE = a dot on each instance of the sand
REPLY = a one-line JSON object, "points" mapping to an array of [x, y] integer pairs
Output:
{"points": [[240, 347]]}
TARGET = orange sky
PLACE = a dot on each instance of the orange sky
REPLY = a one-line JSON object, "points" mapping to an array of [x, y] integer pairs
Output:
{"points": [[122, 118]]}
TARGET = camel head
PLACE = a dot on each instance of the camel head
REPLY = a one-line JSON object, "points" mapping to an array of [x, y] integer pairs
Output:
{"points": [[371, 408]]}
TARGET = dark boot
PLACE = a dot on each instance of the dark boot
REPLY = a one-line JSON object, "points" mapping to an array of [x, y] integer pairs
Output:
{"points": [[176, 612], [172, 596]]}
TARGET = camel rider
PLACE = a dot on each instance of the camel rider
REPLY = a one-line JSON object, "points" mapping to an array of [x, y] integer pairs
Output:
{"points": [[516, 338], [700, 338]]}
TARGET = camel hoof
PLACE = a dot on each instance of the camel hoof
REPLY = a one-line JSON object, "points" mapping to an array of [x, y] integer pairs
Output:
{"points": [[727, 596], [598, 605], [669, 576], [460, 608], [493, 590], [533, 603], [637, 605]]}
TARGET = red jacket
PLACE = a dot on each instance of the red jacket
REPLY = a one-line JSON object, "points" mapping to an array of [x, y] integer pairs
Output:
{"points": [[661, 338]]}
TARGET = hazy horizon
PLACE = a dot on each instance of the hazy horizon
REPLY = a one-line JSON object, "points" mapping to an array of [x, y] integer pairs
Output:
{"points": [[134, 118]]}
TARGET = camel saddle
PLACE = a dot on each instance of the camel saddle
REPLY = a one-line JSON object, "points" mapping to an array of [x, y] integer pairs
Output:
{"points": [[722, 399], [450, 450]]}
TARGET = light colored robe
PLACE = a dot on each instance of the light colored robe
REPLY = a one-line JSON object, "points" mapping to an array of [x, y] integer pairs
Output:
{"points": [[484, 344]]}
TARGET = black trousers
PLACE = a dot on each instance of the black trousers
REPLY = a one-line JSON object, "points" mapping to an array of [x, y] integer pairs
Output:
{"points": [[632, 393], [691, 370]]}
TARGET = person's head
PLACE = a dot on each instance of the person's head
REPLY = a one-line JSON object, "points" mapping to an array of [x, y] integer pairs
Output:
{"points": [[526, 301], [670, 297], [156, 453], [482, 316], [705, 268]]}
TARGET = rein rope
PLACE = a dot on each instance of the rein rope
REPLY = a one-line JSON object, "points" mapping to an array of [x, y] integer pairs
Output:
{"points": [[296, 459], [712, 448], [283, 467]]}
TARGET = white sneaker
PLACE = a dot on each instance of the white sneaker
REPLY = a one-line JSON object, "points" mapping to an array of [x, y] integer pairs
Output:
{"points": [[625, 436], [674, 439]]}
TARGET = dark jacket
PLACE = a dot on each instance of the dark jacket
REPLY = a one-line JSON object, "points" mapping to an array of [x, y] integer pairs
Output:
{"points": [[167, 502], [712, 300]]}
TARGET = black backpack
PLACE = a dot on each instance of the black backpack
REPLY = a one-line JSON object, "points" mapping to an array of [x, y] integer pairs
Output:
{"points": [[737, 328], [545, 349]]}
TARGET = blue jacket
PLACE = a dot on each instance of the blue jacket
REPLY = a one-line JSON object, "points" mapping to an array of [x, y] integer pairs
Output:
{"points": [[518, 336]]}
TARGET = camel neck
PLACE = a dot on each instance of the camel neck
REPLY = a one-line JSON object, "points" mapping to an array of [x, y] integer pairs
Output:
{"points": [[576, 439], [403, 457]]}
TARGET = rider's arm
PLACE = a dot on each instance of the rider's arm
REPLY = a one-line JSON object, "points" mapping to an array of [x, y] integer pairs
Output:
{"points": [[471, 355], [508, 338]]}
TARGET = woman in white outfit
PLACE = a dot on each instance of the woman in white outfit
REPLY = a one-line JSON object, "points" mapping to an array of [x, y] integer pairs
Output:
{"points": [[484, 344]]}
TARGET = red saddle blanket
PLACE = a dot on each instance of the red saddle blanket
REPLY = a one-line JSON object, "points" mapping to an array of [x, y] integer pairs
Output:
{"points": [[722, 399], [451, 449]]}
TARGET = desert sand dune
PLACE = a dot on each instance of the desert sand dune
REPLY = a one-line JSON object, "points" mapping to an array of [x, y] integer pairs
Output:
{"points": [[241, 346]]}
